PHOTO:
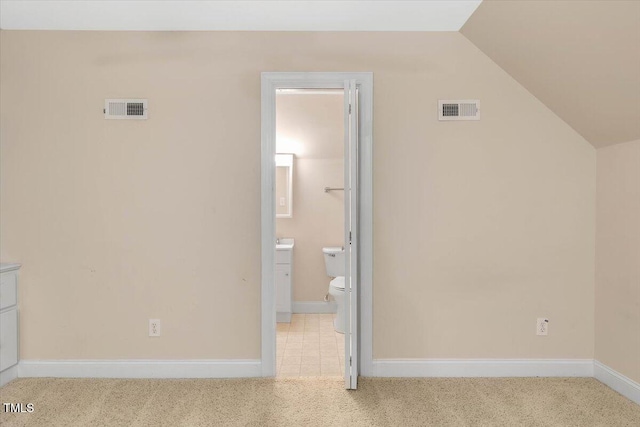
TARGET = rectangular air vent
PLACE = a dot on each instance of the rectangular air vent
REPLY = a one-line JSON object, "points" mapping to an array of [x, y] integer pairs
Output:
{"points": [[468, 109], [125, 109]]}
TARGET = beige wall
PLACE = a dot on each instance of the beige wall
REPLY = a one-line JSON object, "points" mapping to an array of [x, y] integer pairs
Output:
{"points": [[618, 258], [313, 127], [479, 227], [579, 57]]}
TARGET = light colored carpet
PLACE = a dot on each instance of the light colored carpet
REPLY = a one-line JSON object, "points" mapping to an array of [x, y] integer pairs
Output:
{"points": [[319, 402]]}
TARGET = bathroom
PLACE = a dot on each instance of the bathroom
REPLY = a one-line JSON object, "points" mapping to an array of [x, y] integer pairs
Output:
{"points": [[310, 229]]}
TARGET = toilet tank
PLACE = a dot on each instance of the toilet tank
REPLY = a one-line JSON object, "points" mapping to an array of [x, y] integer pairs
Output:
{"points": [[334, 261]]}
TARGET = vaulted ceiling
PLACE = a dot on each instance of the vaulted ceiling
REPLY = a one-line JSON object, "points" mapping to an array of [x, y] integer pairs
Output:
{"points": [[580, 58]]}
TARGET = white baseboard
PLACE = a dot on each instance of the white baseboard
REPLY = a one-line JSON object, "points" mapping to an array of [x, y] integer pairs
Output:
{"points": [[140, 368], [483, 368], [8, 375], [283, 317], [615, 380], [313, 307], [381, 368]]}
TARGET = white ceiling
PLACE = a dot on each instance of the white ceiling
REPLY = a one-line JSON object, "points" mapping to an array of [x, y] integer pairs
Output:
{"points": [[256, 15]]}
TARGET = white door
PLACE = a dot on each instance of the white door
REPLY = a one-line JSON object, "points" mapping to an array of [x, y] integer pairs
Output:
{"points": [[351, 234]]}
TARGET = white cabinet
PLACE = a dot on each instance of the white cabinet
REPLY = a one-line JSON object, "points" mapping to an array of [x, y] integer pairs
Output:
{"points": [[284, 284], [283, 292], [8, 338], [8, 322]]}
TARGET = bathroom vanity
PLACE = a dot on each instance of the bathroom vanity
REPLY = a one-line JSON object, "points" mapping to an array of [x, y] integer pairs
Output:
{"points": [[283, 280], [8, 322]]}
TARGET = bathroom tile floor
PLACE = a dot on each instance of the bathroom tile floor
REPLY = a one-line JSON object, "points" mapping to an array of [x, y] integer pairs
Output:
{"points": [[309, 346]]}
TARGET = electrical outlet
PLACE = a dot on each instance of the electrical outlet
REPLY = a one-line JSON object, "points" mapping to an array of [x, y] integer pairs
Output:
{"points": [[282, 201], [154, 327], [542, 326]]}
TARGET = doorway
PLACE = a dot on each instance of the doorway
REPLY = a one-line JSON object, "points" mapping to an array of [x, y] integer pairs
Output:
{"points": [[358, 109]]}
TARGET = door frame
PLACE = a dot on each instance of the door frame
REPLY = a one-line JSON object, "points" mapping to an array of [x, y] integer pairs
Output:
{"points": [[271, 81]]}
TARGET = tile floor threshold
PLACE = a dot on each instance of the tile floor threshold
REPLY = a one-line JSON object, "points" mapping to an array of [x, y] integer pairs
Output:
{"points": [[309, 346]]}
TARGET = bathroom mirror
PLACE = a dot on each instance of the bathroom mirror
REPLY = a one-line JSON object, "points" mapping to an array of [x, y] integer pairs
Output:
{"points": [[284, 185]]}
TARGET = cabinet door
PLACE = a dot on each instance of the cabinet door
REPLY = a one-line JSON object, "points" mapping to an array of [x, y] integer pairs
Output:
{"points": [[8, 339], [8, 289], [283, 288]]}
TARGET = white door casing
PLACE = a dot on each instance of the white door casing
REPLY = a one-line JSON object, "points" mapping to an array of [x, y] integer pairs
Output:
{"points": [[361, 347]]}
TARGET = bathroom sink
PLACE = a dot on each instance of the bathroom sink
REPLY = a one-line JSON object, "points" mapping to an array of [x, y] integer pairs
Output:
{"points": [[284, 244]]}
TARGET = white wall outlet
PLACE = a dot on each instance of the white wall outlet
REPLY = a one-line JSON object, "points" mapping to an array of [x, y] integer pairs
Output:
{"points": [[154, 327], [282, 202], [542, 326]]}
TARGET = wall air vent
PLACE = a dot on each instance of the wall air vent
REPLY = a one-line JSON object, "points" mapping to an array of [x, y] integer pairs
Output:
{"points": [[468, 109], [125, 109]]}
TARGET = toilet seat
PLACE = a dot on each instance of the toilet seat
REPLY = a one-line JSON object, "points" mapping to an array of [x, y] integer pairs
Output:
{"points": [[337, 283]]}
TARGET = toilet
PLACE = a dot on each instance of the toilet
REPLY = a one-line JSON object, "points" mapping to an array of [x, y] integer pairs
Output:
{"points": [[334, 263]]}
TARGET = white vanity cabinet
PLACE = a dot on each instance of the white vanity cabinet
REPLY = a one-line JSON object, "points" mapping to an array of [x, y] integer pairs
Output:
{"points": [[283, 280], [8, 322]]}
